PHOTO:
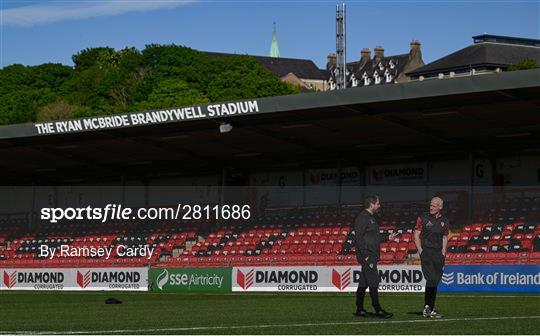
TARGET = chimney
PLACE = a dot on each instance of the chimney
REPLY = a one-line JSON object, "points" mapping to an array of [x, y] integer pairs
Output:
{"points": [[379, 52], [365, 56], [415, 55], [414, 62], [415, 47], [331, 61]]}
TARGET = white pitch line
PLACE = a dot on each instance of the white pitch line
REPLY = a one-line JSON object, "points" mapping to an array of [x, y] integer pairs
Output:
{"points": [[489, 296], [265, 326]]}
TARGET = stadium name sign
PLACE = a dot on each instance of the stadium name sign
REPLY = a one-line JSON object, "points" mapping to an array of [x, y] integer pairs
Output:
{"points": [[148, 118]]}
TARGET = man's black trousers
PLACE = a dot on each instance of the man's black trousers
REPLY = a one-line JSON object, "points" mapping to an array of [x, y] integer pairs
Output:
{"points": [[432, 266], [369, 277]]}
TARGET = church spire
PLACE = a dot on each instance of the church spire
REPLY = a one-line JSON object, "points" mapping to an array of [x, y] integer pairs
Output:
{"points": [[274, 48]]}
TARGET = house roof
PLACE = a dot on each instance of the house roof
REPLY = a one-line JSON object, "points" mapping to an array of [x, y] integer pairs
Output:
{"points": [[480, 54], [506, 40], [372, 66], [399, 60], [302, 68]]}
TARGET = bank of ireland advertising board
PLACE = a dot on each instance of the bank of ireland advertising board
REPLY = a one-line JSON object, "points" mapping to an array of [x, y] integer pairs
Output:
{"points": [[491, 278]]}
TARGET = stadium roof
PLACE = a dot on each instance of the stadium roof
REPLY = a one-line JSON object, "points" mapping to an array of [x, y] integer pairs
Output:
{"points": [[485, 115]]}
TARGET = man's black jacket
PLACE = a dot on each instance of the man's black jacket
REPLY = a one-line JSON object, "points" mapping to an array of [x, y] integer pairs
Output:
{"points": [[368, 238]]}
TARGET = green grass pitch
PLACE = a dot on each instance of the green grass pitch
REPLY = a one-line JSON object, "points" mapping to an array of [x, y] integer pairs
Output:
{"points": [[261, 313]]}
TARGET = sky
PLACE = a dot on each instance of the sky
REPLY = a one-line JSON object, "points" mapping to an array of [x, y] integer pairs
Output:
{"points": [[37, 32]]}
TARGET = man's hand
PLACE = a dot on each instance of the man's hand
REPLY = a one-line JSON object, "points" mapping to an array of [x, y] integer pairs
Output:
{"points": [[417, 241], [443, 253], [393, 236]]}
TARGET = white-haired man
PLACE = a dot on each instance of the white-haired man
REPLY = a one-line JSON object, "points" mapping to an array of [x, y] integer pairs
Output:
{"points": [[431, 239]]}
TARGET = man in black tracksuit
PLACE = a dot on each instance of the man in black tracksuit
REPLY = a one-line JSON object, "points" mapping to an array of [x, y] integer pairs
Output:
{"points": [[431, 238], [368, 241]]}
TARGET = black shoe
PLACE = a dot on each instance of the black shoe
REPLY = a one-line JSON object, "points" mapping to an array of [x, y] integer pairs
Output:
{"points": [[383, 314], [360, 313]]}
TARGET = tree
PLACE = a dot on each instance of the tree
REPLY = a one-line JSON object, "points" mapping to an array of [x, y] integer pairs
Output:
{"points": [[89, 57], [523, 65], [20, 106], [57, 110], [106, 81], [242, 77], [172, 93]]}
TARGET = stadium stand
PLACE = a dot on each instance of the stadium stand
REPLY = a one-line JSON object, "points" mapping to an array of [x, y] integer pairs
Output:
{"points": [[508, 233]]}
